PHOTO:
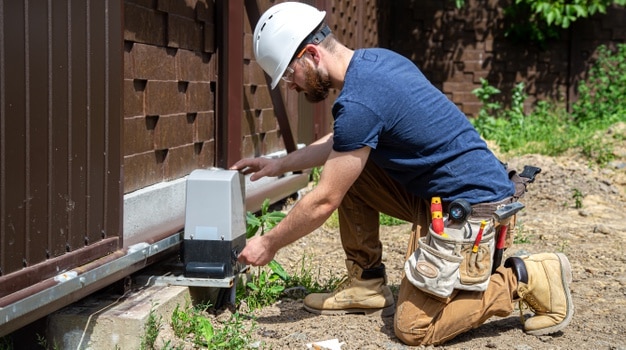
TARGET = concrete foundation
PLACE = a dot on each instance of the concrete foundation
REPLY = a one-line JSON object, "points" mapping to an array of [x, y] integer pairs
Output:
{"points": [[105, 322]]}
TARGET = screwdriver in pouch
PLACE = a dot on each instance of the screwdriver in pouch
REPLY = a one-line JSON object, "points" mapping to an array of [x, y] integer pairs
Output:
{"points": [[436, 213]]}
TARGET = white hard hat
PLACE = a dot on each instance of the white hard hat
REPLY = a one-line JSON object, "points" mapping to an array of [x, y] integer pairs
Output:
{"points": [[279, 32]]}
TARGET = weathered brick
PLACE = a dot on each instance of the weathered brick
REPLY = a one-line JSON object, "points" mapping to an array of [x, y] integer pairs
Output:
{"points": [[205, 11], [138, 138], [261, 97], [249, 123], [204, 126], [251, 146], [471, 108], [200, 97], [129, 71], [193, 66], [209, 37], [179, 162], [164, 97], [204, 153], [253, 74], [144, 25], [141, 170], [273, 142], [267, 121], [464, 96], [184, 33], [133, 97], [185, 8], [172, 131], [248, 54], [450, 87], [153, 62]]}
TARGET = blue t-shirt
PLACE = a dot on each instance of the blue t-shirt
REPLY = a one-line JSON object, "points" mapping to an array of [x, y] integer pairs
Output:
{"points": [[416, 133]]}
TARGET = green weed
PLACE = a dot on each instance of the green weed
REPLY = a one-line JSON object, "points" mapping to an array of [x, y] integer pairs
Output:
{"points": [[307, 282], [578, 198], [520, 237], [151, 332], [192, 323], [549, 129]]}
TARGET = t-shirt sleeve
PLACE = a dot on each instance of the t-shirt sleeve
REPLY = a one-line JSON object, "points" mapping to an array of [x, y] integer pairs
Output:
{"points": [[356, 126]]}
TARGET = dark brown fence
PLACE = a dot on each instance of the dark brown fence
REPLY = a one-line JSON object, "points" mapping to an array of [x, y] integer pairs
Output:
{"points": [[60, 105]]}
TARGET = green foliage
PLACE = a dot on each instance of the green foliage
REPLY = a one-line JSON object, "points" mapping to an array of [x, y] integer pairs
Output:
{"points": [[549, 129], [153, 325], [578, 198], [537, 21], [43, 342], [193, 322], [316, 174], [264, 288], [265, 221], [601, 95], [387, 220], [306, 281]]}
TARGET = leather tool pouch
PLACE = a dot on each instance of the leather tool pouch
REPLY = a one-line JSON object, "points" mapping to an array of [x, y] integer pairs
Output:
{"points": [[441, 264]]}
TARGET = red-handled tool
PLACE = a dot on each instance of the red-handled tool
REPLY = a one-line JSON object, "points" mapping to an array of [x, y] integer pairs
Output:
{"points": [[479, 236], [503, 216], [436, 213], [497, 255]]}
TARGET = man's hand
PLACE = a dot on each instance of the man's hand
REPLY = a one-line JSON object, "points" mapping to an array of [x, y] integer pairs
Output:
{"points": [[258, 252], [258, 167]]}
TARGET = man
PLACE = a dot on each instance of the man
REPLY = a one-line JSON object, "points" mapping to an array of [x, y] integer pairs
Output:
{"points": [[397, 141]]}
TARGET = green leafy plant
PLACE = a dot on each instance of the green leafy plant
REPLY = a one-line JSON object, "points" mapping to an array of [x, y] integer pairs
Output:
{"points": [[43, 342], [264, 287], [578, 198], [387, 220], [548, 128], [537, 21], [520, 236], [151, 332], [601, 95], [264, 222], [193, 322], [306, 282]]}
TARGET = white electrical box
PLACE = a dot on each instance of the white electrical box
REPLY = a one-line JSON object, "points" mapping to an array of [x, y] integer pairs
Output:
{"points": [[215, 223]]}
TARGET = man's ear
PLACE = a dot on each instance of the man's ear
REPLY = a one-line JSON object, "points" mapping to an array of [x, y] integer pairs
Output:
{"points": [[314, 52]]}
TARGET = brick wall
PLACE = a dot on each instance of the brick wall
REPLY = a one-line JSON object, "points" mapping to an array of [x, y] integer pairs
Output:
{"points": [[455, 48], [169, 89]]}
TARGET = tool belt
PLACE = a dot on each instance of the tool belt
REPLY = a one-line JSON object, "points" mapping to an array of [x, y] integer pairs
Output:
{"points": [[457, 259], [441, 264]]}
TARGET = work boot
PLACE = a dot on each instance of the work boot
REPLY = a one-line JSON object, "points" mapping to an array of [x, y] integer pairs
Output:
{"points": [[543, 284], [364, 291]]}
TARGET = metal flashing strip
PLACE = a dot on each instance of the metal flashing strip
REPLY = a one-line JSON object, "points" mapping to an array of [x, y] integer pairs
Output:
{"points": [[72, 281], [181, 280]]}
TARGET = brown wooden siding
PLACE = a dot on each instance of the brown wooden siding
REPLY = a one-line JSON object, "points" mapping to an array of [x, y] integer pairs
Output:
{"points": [[60, 146], [170, 90]]}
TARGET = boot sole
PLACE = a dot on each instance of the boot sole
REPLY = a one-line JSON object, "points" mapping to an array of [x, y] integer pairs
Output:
{"points": [[566, 278], [384, 312]]}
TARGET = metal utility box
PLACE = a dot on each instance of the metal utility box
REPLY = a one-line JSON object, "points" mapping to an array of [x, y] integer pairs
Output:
{"points": [[215, 223]]}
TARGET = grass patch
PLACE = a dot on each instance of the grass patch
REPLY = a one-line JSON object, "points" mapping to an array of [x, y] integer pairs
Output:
{"points": [[549, 129]]}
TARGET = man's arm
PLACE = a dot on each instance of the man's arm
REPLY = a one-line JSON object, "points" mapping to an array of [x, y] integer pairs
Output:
{"points": [[340, 172], [311, 156]]}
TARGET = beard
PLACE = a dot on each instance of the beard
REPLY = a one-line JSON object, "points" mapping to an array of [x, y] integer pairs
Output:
{"points": [[316, 86]]}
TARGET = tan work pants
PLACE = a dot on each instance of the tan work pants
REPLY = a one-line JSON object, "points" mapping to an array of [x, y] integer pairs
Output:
{"points": [[420, 318]]}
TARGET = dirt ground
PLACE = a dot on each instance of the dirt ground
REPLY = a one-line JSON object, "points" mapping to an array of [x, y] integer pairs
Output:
{"points": [[592, 237]]}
